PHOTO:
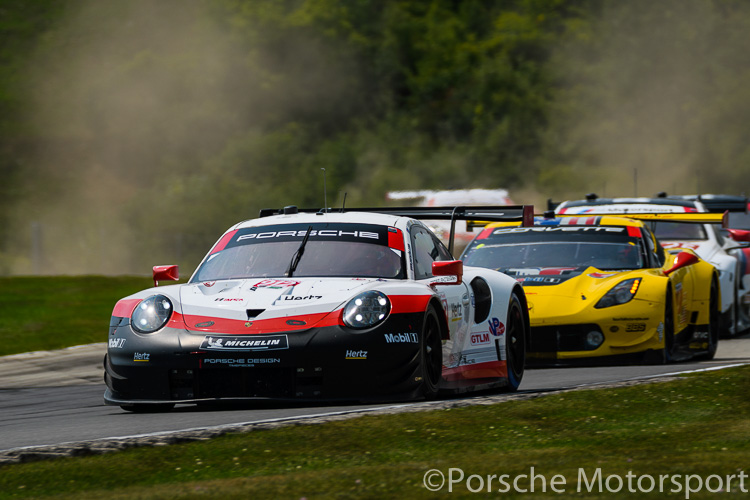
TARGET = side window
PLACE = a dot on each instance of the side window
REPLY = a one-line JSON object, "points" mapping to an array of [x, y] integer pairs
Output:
{"points": [[656, 251], [443, 253], [426, 249]]}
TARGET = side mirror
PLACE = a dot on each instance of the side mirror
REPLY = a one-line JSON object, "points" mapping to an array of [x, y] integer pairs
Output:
{"points": [[683, 259], [449, 268], [162, 273], [739, 234]]}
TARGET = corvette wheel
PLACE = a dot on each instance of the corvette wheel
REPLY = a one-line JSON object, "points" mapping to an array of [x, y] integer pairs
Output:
{"points": [[146, 408], [515, 347], [431, 355], [668, 350]]}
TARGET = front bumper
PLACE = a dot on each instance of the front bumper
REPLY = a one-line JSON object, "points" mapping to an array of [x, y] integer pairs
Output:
{"points": [[569, 342], [328, 363]]}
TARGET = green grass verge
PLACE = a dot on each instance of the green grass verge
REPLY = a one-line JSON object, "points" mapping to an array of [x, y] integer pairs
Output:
{"points": [[40, 313], [697, 425]]}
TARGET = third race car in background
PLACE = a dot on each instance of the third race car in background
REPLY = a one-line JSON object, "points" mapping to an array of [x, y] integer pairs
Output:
{"points": [[476, 197], [707, 240], [603, 290], [738, 208]]}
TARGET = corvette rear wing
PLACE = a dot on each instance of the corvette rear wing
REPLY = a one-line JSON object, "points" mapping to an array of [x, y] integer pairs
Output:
{"points": [[524, 214], [684, 218]]}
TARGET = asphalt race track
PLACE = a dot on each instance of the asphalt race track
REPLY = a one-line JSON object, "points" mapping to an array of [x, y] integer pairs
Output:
{"points": [[56, 397]]}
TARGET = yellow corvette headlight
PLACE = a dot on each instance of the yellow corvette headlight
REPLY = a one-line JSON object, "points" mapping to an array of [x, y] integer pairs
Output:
{"points": [[622, 293]]}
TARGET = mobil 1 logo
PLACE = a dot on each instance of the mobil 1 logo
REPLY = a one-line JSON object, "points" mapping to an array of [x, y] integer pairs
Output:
{"points": [[401, 338]]}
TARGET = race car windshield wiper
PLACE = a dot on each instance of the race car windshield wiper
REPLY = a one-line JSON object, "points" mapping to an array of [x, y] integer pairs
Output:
{"points": [[298, 254]]}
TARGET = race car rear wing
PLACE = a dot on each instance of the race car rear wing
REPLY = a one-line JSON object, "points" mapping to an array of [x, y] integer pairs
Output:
{"points": [[523, 214], [685, 218], [680, 217]]}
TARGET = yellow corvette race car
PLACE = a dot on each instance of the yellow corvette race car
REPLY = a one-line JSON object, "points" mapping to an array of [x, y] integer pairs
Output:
{"points": [[602, 289]]}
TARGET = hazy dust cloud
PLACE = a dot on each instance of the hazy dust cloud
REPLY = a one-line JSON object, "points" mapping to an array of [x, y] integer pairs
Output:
{"points": [[654, 98], [134, 99], [129, 97]]}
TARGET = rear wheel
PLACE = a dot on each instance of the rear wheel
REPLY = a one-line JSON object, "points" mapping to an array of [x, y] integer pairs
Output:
{"points": [[431, 355], [515, 343]]}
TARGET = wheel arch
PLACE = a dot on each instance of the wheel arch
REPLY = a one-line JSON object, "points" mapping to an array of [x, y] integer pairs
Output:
{"points": [[442, 317], [518, 290]]}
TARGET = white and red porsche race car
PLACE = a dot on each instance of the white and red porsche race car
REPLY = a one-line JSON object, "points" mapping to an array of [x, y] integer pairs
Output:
{"points": [[706, 240], [310, 306]]}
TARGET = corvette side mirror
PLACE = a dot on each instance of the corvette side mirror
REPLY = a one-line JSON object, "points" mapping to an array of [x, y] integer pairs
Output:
{"points": [[683, 259], [449, 268], [162, 273]]}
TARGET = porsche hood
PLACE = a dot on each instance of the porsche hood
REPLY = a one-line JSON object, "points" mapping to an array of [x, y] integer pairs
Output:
{"points": [[252, 305]]}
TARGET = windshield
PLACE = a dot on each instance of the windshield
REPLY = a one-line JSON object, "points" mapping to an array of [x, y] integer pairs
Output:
{"points": [[333, 250], [541, 249]]}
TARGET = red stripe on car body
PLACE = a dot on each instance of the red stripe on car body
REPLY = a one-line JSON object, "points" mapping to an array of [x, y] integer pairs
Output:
{"points": [[258, 326], [124, 308], [400, 304], [485, 233], [396, 239], [634, 232], [223, 242]]}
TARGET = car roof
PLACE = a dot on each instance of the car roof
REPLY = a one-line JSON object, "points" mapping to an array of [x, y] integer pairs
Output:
{"points": [[325, 217], [718, 202]]}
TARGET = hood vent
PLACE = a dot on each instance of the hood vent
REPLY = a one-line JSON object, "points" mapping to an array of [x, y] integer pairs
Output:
{"points": [[252, 313]]}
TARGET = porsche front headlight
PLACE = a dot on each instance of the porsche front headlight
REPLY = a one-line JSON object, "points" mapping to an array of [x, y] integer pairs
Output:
{"points": [[622, 293], [366, 310], [151, 314]]}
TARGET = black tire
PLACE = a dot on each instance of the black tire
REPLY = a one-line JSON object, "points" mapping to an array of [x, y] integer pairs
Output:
{"points": [[148, 408], [515, 343], [431, 354], [713, 322]]}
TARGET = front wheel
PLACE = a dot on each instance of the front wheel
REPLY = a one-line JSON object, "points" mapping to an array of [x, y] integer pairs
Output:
{"points": [[431, 355], [515, 343]]}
